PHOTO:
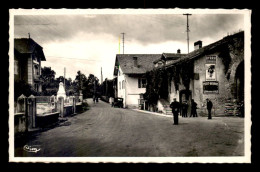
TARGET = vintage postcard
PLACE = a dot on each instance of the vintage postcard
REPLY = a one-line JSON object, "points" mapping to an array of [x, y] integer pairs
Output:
{"points": [[130, 85]]}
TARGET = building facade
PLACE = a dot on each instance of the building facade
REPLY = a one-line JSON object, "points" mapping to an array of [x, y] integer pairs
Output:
{"points": [[27, 62], [215, 71], [130, 70]]}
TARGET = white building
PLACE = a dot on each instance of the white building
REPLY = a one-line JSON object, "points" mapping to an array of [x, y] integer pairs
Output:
{"points": [[130, 72]]}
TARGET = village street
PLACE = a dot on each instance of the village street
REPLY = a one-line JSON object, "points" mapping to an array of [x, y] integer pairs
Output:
{"points": [[104, 131]]}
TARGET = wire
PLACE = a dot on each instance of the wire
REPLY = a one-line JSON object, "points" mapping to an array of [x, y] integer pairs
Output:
{"points": [[70, 58]]}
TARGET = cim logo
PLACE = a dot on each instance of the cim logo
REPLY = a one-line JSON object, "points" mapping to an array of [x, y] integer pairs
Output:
{"points": [[33, 149]]}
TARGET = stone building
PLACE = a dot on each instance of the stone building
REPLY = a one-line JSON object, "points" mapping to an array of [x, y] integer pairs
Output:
{"points": [[215, 71]]}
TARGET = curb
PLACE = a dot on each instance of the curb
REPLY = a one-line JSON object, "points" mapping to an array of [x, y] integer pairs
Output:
{"points": [[154, 113]]}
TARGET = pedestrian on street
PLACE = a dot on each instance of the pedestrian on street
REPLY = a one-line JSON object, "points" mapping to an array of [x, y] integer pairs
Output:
{"points": [[209, 107], [193, 109], [175, 110], [184, 109], [94, 98], [97, 98]]}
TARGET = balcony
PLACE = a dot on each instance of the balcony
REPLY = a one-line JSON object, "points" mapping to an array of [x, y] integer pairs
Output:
{"points": [[37, 78]]}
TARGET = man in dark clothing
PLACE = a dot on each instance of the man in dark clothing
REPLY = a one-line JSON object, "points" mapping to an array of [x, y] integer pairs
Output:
{"points": [[193, 109], [175, 110], [209, 107], [184, 109]]}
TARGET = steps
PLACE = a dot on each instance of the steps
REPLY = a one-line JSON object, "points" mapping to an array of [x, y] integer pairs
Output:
{"points": [[164, 106]]}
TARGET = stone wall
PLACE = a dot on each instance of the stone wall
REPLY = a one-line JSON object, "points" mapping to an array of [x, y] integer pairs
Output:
{"points": [[226, 79], [218, 99]]}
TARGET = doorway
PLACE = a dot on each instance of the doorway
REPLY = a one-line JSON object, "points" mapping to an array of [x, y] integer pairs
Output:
{"points": [[185, 95], [239, 82]]}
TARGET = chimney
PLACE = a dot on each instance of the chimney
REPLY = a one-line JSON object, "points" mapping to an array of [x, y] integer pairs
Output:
{"points": [[197, 45], [135, 61], [179, 51]]}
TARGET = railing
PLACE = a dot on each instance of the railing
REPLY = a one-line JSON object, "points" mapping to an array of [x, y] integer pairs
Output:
{"points": [[36, 77], [46, 104], [34, 111]]}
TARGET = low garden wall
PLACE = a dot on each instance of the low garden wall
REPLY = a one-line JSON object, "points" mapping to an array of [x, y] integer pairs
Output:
{"points": [[39, 111]]}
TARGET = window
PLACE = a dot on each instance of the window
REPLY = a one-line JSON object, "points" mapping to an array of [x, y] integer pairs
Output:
{"points": [[123, 84], [119, 85], [36, 87], [16, 67], [141, 83], [36, 70]]}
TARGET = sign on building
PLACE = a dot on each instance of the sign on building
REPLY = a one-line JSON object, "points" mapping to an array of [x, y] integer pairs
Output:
{"points": [[210, 72], [210, 87], [210, 67], [211, 59]]}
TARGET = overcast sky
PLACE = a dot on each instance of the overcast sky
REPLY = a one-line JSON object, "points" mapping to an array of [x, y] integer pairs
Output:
{"points": [[91, 41]]}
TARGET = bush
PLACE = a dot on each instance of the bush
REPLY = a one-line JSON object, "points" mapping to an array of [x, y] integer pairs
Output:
{"points": [[85, 106], [21, 87]]}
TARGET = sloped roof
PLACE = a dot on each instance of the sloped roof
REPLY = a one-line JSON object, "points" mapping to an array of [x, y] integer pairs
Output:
{"points": [[170, 57], [28, 46], [144, 62], [204, 50], [173, 56]]}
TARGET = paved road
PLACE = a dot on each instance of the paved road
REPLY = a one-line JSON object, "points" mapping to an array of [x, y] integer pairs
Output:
{"points": [[104, 131]]}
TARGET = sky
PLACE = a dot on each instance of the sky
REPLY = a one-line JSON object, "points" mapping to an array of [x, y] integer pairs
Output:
{"points": [[89, 42]]}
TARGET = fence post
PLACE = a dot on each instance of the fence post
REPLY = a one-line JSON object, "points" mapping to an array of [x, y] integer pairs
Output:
{"points": [[31, 102], [21, 108], [61, 106], [21, 104], [74, 105]]}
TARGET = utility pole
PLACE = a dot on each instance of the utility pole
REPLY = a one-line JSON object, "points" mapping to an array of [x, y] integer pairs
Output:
{"points": [[29, 35], [64, 75], [188, 30], [123, 42], [101, 76]]}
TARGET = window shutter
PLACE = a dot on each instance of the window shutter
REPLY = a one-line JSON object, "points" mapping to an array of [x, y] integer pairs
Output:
{"points": [[143, 83]]}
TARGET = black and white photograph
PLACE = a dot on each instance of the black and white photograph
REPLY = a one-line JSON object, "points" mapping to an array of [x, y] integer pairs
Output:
{"points": [[130, 85]]}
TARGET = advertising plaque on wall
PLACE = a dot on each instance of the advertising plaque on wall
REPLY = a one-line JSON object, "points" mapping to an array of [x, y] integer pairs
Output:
{"points": [[210, 67], [210, 72], [210, 87]]}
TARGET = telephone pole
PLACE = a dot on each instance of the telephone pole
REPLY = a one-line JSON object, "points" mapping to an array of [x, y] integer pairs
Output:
{"points": [[64, 75], [123, 42], [101, 76], [188, 30]]}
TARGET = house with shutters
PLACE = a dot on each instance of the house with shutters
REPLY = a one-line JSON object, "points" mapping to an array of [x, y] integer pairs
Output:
{"points": [[129, 71], [27, 62]]}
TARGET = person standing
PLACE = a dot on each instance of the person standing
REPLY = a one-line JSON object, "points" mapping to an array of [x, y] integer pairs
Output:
{"points": [[209, 107], [175, 106], [94, 98], [193, 109], [184, 109]]}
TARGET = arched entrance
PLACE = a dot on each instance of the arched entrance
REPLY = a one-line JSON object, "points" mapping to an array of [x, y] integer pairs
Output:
{"points": [[239, 82], [185, 95]]}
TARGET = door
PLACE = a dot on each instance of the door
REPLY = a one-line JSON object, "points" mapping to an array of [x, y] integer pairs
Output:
{"points": [[185, 95]]}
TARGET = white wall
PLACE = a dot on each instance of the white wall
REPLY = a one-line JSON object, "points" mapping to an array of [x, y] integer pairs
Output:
{"points": [[130, 93], [121, 92]]}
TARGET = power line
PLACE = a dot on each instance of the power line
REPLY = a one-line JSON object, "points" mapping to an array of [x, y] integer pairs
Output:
{"points": [[71, 58]]}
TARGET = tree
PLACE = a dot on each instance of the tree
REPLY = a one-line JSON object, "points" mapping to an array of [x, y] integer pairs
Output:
{"points": [[47, 74], [49, 84]]}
